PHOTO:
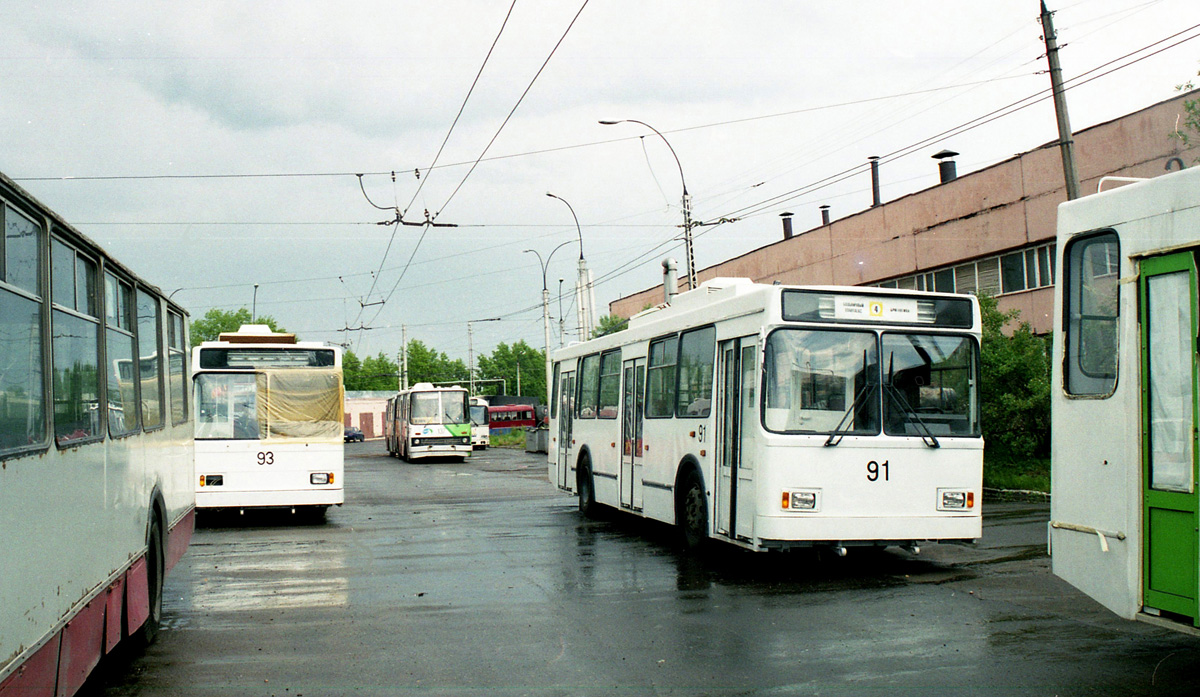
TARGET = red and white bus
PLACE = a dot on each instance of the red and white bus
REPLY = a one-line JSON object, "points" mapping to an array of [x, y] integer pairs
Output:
{"points": [[505, 417], [96, 500]]}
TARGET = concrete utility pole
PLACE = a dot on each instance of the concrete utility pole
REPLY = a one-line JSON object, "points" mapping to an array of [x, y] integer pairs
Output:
{"points": [[1065, 142], [470, 362], [404, 353]]}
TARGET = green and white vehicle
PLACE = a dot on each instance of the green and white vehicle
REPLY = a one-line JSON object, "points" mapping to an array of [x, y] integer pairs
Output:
{"points": [[1125, 507], [430, 421]]}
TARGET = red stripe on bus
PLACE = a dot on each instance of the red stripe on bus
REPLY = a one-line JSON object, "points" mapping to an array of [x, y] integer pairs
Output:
{"points": [[137, 596], [82, 645], [114, 610], [37, 676], [179, 537]]}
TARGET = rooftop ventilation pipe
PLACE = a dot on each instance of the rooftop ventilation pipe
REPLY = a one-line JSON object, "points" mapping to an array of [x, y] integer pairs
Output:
{"points": [[824, 213], [670, 279], [787, 225], [875, 201], [947, 170]]}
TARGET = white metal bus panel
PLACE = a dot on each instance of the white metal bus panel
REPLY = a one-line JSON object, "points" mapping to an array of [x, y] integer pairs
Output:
{"points": [[258, 474], [1096, 529], [901, 508]]}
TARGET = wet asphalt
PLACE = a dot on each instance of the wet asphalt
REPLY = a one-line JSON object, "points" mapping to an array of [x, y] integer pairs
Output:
{"points": [[482, 579]]}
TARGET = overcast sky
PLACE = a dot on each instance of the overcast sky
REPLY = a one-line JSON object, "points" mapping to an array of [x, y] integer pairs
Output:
{"points": [[212, 146]]}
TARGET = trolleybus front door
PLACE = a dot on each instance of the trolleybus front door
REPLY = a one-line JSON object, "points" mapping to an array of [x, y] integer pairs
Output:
{"points": [[632, 413], [735, 471], [1168, 308], [566, 408]]}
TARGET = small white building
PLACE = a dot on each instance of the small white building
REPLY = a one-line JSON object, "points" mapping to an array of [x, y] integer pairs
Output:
{"points": [[365, 409]]}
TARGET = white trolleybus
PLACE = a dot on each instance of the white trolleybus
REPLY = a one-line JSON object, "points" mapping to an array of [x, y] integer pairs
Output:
{"points": [[1124, 510], [481, 434], [269, 428], [427, 421], [776, 416], [96, 502]]}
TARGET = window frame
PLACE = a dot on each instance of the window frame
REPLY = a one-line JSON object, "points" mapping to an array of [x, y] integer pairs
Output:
{"points": [[614, 381], [40, 297], [680, 409], [159, 341], [1072, 352], [668, 369]]}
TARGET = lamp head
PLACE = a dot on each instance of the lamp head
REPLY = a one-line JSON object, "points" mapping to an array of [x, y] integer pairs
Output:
{"points": [[609, 123]]}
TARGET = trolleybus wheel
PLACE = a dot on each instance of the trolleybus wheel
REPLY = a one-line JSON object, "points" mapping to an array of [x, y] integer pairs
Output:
{"points": [[693, 513], [155, 568], [587, 491]]}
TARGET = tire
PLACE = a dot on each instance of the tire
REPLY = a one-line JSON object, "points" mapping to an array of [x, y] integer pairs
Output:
{"points": [[585, 486], [155, 571], [692, 516]]}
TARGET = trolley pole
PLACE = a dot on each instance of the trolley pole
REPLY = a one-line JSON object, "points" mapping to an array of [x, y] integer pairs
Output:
{"points": [[1065, 142]]}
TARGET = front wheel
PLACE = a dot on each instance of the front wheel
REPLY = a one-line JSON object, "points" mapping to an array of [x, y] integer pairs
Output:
{"points": [[587, 491], [692, 517]]}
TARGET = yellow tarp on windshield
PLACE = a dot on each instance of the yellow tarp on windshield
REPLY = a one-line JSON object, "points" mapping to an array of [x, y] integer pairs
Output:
{"points": [[300, 403]]}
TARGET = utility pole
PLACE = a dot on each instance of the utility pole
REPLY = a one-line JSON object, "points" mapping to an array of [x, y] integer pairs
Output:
{"points": [[1065, 142], [470, 361], [404, 363]]}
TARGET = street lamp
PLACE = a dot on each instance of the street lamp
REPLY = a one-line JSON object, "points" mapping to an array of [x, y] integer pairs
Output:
{"points": [[585, 296], [254, 305], [546, 307], [687, 202]]}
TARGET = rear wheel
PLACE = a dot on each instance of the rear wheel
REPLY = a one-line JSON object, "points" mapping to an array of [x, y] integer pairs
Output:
{"points": [[155, 570], [692, 516]]}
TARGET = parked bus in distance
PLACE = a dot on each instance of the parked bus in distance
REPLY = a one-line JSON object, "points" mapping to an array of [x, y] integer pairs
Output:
{"points": [[1125, 507], [506, 417], [780, 416], [96, 503], [268, 422], [480, 430], [429, 421]]}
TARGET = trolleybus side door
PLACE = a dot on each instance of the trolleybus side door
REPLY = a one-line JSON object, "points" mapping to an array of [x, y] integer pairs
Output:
{"points": [[632, 414], [566, 407], [735, 471], [1168, 313]]}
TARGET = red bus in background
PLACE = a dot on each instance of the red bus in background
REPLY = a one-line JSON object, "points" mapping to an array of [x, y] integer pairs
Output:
{"points": [[504, 418]]}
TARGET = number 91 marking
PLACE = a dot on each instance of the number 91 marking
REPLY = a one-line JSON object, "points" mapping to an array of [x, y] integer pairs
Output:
{"points": [[874, 468]]}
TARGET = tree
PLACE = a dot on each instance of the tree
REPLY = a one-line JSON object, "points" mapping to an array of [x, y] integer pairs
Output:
{"points": [[505, 362], [215, 321], [1015, 390], [609, 324], [428, 365], [1188, 131], [373, 373]]}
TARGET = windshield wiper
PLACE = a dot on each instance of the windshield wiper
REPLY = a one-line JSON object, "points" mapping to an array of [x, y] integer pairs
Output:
{"points": [[836, 435], [898, 397]]}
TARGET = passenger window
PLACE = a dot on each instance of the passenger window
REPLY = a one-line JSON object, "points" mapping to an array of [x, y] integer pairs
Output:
{"points": [[610, 384], [177, 358], [22, 391], [589, 385], [149, 359], [697, 355], [119, 342], [1091, 266], [660, 377]]}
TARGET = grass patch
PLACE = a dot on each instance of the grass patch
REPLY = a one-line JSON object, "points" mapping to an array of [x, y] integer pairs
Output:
{"points": [[513, 439], [1006, 472]]}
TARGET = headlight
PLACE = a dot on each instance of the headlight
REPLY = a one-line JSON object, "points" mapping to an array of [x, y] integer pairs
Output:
{"points": [[803, 500], [955, 500], [320, 478], [212, 479]]}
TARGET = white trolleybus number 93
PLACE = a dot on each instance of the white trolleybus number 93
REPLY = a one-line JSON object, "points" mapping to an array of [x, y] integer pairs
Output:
{"points": [[774, 416], [268, 422]]}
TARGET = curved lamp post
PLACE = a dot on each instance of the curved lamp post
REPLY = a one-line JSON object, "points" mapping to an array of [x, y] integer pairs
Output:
{"points": [[687, 202], [546, 308], [585, 300]]}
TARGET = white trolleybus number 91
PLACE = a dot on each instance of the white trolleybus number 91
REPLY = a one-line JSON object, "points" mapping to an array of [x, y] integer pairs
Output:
{"points": [[268, 422], [774, 416]]}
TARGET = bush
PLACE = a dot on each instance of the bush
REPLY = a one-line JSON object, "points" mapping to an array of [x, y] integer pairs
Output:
{"points": [[1015, 394]]}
